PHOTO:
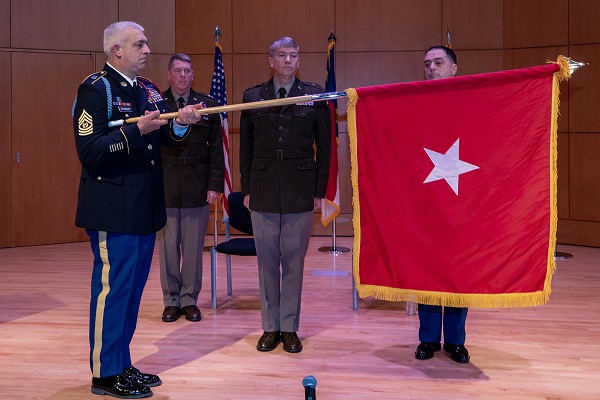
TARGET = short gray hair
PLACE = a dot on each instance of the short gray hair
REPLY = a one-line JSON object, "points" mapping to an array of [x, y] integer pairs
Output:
{"points": [[181, 57], [283, 42], [115, 34]]}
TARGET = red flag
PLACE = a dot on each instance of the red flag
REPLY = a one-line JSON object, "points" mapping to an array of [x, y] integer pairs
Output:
{"points": [[330, 206], [455, 188]]}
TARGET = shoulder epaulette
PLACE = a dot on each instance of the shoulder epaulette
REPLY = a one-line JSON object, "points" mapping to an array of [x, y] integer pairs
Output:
{"points": [[147, 82], [95, 77], [255, 86], [201, 94], [315, 85]]}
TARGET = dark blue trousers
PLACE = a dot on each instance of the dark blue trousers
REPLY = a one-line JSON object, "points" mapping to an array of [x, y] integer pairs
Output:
{"points": [[454, 319], [121, 268]]}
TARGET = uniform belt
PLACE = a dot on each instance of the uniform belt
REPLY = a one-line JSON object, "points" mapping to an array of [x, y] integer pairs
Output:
{"points": [[283, 154], [184, 160]]}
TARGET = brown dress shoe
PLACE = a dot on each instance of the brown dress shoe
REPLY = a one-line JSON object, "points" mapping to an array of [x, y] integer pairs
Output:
{"points": [[191, 313], [268, 341], [291, 343], [171, 314]]}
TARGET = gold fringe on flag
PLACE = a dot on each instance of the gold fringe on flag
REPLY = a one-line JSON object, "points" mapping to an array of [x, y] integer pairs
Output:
{"points": [[351, 112]]}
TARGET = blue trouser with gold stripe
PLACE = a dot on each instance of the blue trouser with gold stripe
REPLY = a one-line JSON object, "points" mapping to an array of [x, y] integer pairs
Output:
{"points": [[121, 268]]}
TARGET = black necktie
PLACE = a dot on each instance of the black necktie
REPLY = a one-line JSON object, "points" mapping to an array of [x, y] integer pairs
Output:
{"points": [[281, 92], [136, 93], [180, 102]]}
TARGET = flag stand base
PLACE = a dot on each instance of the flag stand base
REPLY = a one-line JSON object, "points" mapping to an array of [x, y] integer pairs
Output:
{"points": [[559, 255], [333, 248]]}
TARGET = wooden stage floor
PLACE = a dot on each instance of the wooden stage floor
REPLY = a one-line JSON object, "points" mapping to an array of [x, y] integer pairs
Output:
{"points": [[550, 352]]}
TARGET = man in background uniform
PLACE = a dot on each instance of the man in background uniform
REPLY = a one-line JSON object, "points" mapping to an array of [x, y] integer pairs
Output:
{"points": [[194, 178], [440, 62], [283, 182]]}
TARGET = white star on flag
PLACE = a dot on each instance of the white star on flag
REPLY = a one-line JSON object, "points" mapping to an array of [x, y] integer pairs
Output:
{"points": [[448, 166]]}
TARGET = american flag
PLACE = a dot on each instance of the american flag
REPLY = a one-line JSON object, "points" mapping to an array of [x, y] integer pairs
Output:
{"points": [[219, 92]]}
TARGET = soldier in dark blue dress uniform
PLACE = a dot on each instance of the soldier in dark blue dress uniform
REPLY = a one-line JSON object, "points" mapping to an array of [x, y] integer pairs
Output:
{"points": [[121, 199]]}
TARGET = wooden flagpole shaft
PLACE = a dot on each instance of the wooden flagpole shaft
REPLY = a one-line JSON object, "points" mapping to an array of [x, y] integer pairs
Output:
{"points": [[241, 106]]}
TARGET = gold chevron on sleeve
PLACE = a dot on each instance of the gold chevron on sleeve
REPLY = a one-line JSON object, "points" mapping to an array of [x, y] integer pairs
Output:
{"points": [[86, 124]]}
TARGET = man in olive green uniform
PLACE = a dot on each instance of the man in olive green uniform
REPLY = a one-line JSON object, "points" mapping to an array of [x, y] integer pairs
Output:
{"points": [[284, 180]]}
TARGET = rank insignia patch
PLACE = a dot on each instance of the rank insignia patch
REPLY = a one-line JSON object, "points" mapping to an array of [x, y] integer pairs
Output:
{"points": [[153, 95], [86, 125]]}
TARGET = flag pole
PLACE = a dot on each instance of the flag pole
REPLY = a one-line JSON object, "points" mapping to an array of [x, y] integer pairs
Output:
{"points": [[241, 106], [573, 66], [331, 86], [216, 34]]}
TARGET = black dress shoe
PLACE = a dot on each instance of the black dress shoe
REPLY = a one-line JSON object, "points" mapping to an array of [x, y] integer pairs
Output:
{"points": [[268, 341], [171, 314], [426, 350], [191, 313], [120, 386], [141, 378], [458, 352], [291, 343]]}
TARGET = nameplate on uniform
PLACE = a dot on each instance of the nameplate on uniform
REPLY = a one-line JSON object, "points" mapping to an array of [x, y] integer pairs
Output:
{"points": [[123, 106]]}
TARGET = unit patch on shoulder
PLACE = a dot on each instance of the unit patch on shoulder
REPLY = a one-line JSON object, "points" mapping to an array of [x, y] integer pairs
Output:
{"points": [[86, 124]]}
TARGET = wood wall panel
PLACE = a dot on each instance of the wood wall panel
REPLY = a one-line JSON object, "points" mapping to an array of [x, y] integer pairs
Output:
{"points": [[61, 24], [6, 155], [479, 61], [584, 90], [196, 23], [523, 58], [387, 25], [584, 179], [474, 24], [584, 26], [583, 233], [369, 69], [257, 23], [4, 23], [380, 41], [203, 72], [563, 176], [156, 70], [45, 181], [99, 61], [535, 23], [158, 19]]}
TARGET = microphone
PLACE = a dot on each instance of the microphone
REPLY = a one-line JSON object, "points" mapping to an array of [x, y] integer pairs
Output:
{"points": [[310, 383]]}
